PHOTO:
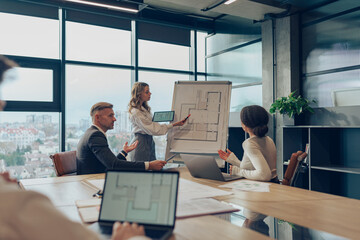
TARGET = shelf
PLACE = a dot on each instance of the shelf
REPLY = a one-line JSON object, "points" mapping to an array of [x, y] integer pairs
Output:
{"points": [[337, 169], [333, 149]]}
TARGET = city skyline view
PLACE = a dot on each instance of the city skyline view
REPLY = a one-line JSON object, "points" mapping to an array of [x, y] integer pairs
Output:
{"points": [[27, 143]]}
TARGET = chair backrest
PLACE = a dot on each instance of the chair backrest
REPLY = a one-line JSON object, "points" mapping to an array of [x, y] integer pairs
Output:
{"points": [[295, 160], [64, 162]]}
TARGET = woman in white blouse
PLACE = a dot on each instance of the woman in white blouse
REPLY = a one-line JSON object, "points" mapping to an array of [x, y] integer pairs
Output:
{"points": [[259, 160], [143, 126]]}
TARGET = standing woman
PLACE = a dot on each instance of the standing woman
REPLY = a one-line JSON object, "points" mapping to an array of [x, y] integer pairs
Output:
{"points": [[143, 127], [259, 160]]}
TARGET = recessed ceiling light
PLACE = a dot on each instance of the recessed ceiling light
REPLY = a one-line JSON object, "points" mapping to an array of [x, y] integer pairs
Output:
{"points": [[229, 2], [105, 6]]}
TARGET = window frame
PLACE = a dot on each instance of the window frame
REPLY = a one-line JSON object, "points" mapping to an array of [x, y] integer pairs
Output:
{"points": [[38, 106], [97, 18]]}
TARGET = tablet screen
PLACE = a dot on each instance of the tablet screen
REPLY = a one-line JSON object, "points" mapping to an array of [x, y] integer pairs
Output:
{"points": [[166, 116]]}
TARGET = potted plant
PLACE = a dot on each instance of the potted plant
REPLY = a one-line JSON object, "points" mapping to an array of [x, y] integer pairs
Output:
{"points": [[291, 106]]}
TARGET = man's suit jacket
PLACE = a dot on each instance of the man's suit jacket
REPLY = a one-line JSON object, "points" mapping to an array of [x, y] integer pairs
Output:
{"points": [[93, 155]]}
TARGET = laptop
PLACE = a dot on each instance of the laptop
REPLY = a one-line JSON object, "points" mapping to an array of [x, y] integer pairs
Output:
{"points": [[145, 197], [205, 166]]}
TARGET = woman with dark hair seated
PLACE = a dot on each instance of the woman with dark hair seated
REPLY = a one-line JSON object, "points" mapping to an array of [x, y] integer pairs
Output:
{"points": [[259, 160]]}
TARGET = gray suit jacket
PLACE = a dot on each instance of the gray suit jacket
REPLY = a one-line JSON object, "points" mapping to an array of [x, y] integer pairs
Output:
{"points": [[93, 155]]}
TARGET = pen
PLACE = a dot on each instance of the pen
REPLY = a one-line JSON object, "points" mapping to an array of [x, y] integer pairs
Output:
{"points": [[170, 158], [187, 117], [98, 194]]}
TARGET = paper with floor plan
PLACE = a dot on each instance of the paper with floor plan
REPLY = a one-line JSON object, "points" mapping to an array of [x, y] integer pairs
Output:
{"points": [[89, 209], [248, 185], [192, 190], [202, 206], [206, 130], [97, 184], [89, 214], [187, 189], [194, 199]]}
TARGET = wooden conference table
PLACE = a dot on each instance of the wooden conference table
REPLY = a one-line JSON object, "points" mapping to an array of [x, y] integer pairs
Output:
{"points": [[329, 213]]}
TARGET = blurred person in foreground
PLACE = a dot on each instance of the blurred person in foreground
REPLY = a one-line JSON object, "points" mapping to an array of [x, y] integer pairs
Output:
{"points": [[31, 215]]}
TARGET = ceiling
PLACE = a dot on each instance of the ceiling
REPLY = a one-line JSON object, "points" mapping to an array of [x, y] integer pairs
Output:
{"points": [[203, 14], [248, 9], [241, 13], [207, 8]]}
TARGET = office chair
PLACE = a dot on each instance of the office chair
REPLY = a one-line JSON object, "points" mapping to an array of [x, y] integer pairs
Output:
{"points": [[64, 163], [295, 160]]}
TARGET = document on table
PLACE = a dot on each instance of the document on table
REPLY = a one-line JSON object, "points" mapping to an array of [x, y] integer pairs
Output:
{"points": [[89, 209], [248, 185], [92, 202], [202, 206], [97, 184], [89, 214], [192, 190]]}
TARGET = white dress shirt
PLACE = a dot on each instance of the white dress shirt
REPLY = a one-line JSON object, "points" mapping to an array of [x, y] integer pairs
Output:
{"points": [[142, 123]]}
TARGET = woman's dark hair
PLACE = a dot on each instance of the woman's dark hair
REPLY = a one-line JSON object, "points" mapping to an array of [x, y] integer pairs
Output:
{"points": [[256, 118]]}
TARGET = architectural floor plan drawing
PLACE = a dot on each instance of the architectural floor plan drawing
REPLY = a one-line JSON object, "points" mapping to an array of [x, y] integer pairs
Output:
{"points": [[205, 115], [149, 198], [206, 129], [143, 198]]}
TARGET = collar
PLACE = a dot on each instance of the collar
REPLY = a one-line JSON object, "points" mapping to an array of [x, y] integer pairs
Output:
{"points": [[100, 129]]}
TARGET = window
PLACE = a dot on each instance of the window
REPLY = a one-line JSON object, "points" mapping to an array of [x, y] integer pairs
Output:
{"points": [[29, 36], [102, 85], [201, 51], [326, 47], [98, 66], [331, 56], [29, 130], [161, 88], [325, 88], [26, 141], [28, 84], [245, 96], [91, 43], [243, 65], [201, 77], [163, 55]]}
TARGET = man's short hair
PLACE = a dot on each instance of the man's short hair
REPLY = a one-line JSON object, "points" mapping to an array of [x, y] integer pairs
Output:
{"points": [[98, 107]]}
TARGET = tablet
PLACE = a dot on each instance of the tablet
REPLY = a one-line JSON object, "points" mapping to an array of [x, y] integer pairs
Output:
{"points": [[166, 116]]}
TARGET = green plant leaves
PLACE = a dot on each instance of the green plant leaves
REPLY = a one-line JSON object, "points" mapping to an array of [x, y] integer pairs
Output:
{"points": [[291, 105]]}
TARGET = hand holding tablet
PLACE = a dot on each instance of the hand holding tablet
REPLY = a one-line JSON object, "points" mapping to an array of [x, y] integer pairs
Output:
{"points": [[165, 116]]}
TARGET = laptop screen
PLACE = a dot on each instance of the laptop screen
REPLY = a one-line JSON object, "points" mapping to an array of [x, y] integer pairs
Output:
{"points": [[142, 197]]}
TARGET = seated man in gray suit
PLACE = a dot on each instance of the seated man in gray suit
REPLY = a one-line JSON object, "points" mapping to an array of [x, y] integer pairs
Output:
{"points": [[93, 154]]}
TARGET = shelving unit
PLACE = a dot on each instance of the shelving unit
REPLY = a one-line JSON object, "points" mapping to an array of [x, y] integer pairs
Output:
{"points": [[334, 157]]}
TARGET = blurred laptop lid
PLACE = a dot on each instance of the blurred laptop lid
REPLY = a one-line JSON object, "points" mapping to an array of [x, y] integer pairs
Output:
{"points": [[205, 166]]}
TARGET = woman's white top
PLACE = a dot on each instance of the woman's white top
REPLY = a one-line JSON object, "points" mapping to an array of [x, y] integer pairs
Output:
{"points": [[259, 160], [142, 123]]}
